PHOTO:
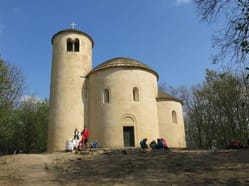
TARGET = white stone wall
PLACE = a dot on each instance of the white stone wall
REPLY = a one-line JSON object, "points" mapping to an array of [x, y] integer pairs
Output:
{"points": [[106, 121], [173, 132], [67, 89]]}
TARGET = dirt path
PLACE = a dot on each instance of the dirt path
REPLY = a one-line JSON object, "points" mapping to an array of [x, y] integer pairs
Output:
{"points": [[127, 167], [29, 169]]}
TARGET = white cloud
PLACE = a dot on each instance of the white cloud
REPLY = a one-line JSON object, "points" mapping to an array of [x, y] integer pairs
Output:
{"points": [[179, 2]]}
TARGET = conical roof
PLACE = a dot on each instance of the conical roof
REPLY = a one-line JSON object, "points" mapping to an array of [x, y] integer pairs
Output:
{"points": [[123, 62], [163, 96]]}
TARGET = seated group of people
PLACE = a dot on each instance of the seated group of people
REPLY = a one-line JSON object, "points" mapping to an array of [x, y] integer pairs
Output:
{"points": [[160, 144], [83, 142]]}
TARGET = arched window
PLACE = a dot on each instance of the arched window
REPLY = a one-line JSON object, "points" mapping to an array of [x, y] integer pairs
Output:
{"points": [[69, 45], [135, 94], [106, 96], [174, 117], [77, 45], [73, 45]]}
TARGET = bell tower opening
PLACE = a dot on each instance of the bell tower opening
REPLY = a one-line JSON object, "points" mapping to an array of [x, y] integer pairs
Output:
{"points": [[77, 45], [73, 45], [69, 45]]}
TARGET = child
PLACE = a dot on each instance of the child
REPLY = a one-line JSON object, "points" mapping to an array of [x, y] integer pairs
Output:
{"points": [[94, 144]]}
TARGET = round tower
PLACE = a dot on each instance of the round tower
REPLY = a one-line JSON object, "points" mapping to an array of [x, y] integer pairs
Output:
{"points": [[71, 62]]}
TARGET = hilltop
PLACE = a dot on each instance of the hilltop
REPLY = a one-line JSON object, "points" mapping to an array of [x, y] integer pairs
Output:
{"points": [[126, 167]]}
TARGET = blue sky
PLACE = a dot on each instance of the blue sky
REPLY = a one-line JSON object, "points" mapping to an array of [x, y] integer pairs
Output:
{"points": [[164, 34]]}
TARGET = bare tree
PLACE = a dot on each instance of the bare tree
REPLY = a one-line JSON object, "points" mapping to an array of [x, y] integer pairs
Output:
{"points": [[233, 38], [11, 85]]}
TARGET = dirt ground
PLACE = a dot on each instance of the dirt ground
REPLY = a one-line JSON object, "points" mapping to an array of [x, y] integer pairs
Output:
{"points": [[127, 167]]}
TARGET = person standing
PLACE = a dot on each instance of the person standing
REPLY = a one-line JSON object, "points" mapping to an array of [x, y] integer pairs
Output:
{"points": [[76, 134], [85, 135], [76, 137]]}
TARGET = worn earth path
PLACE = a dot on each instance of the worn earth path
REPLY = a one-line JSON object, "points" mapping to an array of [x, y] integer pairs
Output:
{"points": [[127, 167]]}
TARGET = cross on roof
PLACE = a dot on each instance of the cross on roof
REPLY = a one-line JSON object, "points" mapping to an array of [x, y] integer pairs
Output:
{"points": [[73, 24]]}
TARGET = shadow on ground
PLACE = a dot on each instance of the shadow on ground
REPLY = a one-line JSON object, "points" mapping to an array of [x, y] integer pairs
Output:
{"points": [[132, 167]]}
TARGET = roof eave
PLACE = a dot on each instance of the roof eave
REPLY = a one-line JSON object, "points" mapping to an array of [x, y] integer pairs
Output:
{"points": [[72, 31]]}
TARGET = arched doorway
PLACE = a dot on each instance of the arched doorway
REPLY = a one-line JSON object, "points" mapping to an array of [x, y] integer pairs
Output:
{"points": [[128, 133], [128, 123]]}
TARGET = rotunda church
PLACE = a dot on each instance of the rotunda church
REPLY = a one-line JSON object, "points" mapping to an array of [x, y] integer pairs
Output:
{"points": [[118, 100]]}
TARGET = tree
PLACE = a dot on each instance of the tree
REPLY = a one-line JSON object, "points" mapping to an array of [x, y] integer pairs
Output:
{"points": [[11, 88], [233, 39], [219, 111], [32, 123], [23, 122], [42, 125], [216, 111]]}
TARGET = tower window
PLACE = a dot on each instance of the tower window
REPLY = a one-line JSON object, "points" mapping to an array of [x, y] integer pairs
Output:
{"points": [[77, 45], [106, 96], [69, 45], [174, 117], [135, 94], [73, 45]]}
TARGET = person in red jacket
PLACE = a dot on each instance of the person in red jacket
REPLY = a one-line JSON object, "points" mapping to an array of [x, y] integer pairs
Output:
{"points": [[85, 134]]}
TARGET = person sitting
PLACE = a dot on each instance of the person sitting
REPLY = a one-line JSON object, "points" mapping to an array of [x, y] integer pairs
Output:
{"points": [[153, 144], [143, 144], [94, 144], [165, 146], [159, 144]]}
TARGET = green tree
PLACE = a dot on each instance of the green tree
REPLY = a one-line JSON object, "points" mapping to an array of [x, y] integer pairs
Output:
{"points": [[12, 84], [42, 125], [32, 125]]}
